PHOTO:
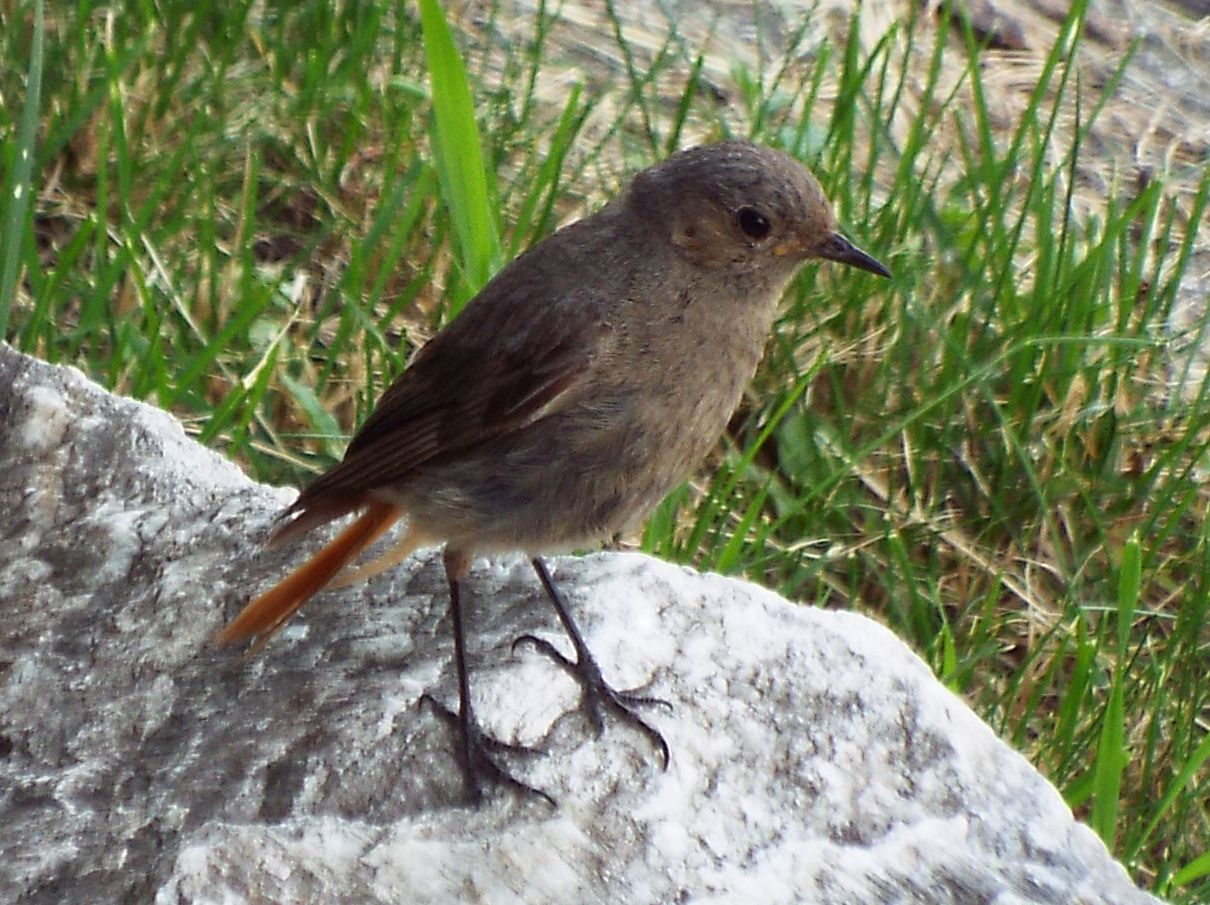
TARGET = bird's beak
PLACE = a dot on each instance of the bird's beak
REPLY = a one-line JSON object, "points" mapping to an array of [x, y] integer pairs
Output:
{"points": [[839, 249]]}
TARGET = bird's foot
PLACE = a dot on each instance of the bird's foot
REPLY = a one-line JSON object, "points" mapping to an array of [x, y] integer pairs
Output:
{"points": [[478, 756], [600, 696]]}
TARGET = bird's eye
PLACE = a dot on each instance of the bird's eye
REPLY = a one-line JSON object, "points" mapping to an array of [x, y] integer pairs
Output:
{"points": [[754, 224]]}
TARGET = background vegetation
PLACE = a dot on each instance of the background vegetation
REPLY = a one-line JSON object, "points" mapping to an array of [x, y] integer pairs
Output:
{"points": [[251, 212]]}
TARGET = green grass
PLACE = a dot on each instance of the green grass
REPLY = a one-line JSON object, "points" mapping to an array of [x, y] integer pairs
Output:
{"points": [[251, 213]]}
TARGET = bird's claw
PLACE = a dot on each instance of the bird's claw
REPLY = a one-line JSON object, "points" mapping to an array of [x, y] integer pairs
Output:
{"points": [[478, 761], [599, 695]]}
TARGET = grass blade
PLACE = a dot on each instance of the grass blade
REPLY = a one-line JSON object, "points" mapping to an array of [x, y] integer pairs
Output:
{"points": [[459, 155], [17, 191]]}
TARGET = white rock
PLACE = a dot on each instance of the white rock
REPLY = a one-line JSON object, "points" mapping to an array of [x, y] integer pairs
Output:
{"points": [[814, 757]]}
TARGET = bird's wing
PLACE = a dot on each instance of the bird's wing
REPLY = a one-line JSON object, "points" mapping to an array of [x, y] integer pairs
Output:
{"points": [[497, 368]]}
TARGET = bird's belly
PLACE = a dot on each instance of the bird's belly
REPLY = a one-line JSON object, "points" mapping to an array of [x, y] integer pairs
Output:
{"points": [[596, 474]]}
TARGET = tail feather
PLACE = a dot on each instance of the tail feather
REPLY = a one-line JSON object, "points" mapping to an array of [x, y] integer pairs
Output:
{"points": [[306, 513], [411, 541], [265, 615]]}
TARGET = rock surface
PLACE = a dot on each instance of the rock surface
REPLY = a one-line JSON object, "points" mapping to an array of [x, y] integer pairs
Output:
{"points": [[815, 758]]}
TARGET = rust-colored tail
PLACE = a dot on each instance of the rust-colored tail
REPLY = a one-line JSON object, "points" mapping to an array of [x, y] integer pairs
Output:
{"points": [[272, 609]]}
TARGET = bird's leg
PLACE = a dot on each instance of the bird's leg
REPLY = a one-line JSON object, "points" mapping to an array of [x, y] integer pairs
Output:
{"points": [[599, 694], [478, 748]]}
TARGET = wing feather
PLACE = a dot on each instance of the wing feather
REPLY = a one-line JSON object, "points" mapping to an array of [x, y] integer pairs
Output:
{"points": [[486, 375]]}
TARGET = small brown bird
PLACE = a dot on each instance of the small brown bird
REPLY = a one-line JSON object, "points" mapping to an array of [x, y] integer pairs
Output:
{"points": [[571, 395]]}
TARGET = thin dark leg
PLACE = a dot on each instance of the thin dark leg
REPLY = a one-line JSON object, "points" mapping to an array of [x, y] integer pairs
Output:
{"points": [[477, 748], [466, 713], [599, 695]]}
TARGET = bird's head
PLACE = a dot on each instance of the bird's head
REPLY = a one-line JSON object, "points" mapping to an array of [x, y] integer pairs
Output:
{"points": [[744, 207]]}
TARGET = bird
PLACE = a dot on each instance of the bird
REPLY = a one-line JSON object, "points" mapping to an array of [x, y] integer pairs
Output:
{"points": [[580, 386]]}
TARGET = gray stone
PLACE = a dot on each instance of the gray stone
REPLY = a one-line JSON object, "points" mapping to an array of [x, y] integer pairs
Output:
{"points": [[814, 757]]}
